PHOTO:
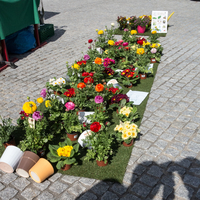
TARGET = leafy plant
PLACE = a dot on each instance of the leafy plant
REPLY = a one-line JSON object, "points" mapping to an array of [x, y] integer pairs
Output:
{"points": [[64, 153]]}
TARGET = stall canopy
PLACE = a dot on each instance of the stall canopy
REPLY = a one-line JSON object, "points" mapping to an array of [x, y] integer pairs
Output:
{"points": [[16, 15]]}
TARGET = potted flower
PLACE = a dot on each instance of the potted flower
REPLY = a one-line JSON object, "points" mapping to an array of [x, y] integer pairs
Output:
{"points": [[122, 21], [126, 132], [64, 154], [6, 131], [142, 22], [115, 100]]}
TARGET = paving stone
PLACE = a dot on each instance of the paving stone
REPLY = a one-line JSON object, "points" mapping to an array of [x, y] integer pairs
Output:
{"points": [[193, 146], [143, 144], [172, 152], [148, 180], [70, 179], [87, 181], [161, 143], [141, 190], [1, 186], [77, 189], [155, 171], [129, 178], [8, 193], [8, 178], [161, 191], [100, 188], [154, 151], [88, 196], [30, 193], [130, 197], [118, 188], [136, 169], [192, 180], [198, 194], [183, 162], [67, 196], [55, 177], [145, 160], [20, 183], [184, 191], [109, 196], [42, 186], [58, 187], [45, 196]]}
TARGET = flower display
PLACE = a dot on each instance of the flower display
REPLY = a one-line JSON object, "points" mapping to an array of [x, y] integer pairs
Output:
{"points": [[81, 85], [76, 66], [117, 98], [99, 87], [140, 40], [95, 127], [29, 107], [126, 29], [90, 41], [109, 71], [140, 51], [86, 57], [48, 103], [82, 62], [40, 100], [153, 32], [70, 106], [64, 151], [88, 80], [128, 73], [43, 93], [100, 32], [23, 115], [98, 99], [57, 82], [133, 32], [70, 92], [98, 61], [125, 44], [108, 61], [113, 90], [155, 45], [37, 115], [126, 111], [111, 42], [153, 50]]}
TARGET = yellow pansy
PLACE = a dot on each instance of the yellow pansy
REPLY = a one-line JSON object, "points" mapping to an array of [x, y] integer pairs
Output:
{"points": [[29, 107], [100, 32], [40, 100]]}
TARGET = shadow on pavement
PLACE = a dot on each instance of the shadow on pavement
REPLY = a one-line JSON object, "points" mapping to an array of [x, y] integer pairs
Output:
{"points": [[150, 179], [48, 14]]}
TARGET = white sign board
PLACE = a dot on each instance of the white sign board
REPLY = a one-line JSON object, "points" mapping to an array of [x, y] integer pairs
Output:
{"points": [[159, 20], [83, 137], [136, 96], [82, 116]]}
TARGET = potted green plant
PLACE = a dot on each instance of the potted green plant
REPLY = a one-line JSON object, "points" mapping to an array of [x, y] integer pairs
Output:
{"points": [[6, 131], [64, 154], [126, 132]]}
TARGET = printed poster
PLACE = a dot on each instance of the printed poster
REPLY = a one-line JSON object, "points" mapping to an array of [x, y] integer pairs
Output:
{"points": [[159, 20]]}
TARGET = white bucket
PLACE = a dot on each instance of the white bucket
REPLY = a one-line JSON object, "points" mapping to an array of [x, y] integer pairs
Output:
{"points": [[10, 158]]}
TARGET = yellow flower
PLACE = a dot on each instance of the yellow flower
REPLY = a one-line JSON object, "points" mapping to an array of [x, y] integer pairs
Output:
{"points": [[125, 136], [106, 51], [96, 30], [48, 103], [60, 151], [100, 32], [105, 30], [120, 128], [150, 17], [153, 32], [116, 128], [134, 47], [155, 45], [133, 32], [140, 51], [29, 107], [134, 134], [76, 66], [111, 42], [40, 100]]}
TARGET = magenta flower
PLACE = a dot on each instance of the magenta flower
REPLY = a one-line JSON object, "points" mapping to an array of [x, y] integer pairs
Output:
{"points": [[120, 41], [154, 50], [86, 57], [70, 106], [125, 44], [43, 93], [37, 115], [89, 47], [98, 99], [125, 29]]}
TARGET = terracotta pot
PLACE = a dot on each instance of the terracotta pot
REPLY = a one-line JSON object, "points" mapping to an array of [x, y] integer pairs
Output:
{"points": [[143, 76], [129, 86], [72, 136], [10, 142], [27, 161], [66, 167], [153, 60], [57, 93], [41, 170], [117, 111], [10, 159], [141, 29], [128, 145], [101, 163]]}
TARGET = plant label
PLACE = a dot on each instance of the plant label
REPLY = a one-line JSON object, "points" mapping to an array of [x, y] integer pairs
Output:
{"points": [[31, 122]]}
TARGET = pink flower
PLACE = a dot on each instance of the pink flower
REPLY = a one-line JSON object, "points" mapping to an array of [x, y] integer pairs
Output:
{"points": [[125, 29], [70, 106], [37, 115], [125, 44], [43, 93], [154, 50], [120, 41], [86, 57], [98, 99]]}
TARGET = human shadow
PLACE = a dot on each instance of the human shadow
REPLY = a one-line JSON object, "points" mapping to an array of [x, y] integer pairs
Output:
{"points": [[149, 180]]}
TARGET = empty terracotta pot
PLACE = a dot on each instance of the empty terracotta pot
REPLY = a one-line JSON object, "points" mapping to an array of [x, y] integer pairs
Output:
{"points": [[27, 161], [10, 158], [41, 170]]}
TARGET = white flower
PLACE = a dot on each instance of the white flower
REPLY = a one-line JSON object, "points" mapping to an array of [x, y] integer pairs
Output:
{"points": [[51, 81], [112, 24], [55, 83]]}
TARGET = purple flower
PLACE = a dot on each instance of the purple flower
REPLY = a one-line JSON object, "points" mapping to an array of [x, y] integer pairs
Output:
{"points": [[154, 50], [117, 98], [98, 99], [70, 106], [37, 115], [125, 29], [86, 57], [43, 93], [89, 47], [125, 44]]}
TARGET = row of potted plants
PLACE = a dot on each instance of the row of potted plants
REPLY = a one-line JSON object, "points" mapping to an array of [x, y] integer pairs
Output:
{"points": [[95, 85]]}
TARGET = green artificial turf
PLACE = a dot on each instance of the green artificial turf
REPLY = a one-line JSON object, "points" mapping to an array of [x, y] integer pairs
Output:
{"points": [[116, 168]]}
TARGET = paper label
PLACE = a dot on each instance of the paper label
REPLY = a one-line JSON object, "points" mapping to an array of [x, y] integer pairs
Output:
{"points": [[83, 137], [136, 96], [31, 122]]}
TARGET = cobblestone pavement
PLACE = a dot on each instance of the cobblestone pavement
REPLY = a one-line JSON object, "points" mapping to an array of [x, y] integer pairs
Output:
{"points": [[165, 162]]}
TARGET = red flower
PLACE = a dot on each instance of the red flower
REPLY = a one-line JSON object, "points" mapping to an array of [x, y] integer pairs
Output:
{"points": [[140, 42], [127, 70], [91, 74], [85, 74], [84, 62], [84, 124], [70, 92], [22, 118], [80, 63], [130, 75], [113, 90], [95, 127], [90, 41], [88, 80]]}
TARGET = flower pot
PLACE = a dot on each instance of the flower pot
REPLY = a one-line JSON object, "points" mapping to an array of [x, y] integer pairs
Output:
{"points": [[10, 142], [143, 76], [72, 136], [57, 93], [129, 86], [41, 170], [153, 60], [101, 163], [128, 145], [66, 167], [27, 161], [10, 159], [141, 29]]}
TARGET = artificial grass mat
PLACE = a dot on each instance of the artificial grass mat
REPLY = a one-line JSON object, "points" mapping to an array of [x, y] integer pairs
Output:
{"points": [[116, 167]]}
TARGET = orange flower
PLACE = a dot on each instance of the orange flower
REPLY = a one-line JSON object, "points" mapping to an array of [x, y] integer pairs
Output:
{"points": [[81, 85], [99, 87], [98, 61]]}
